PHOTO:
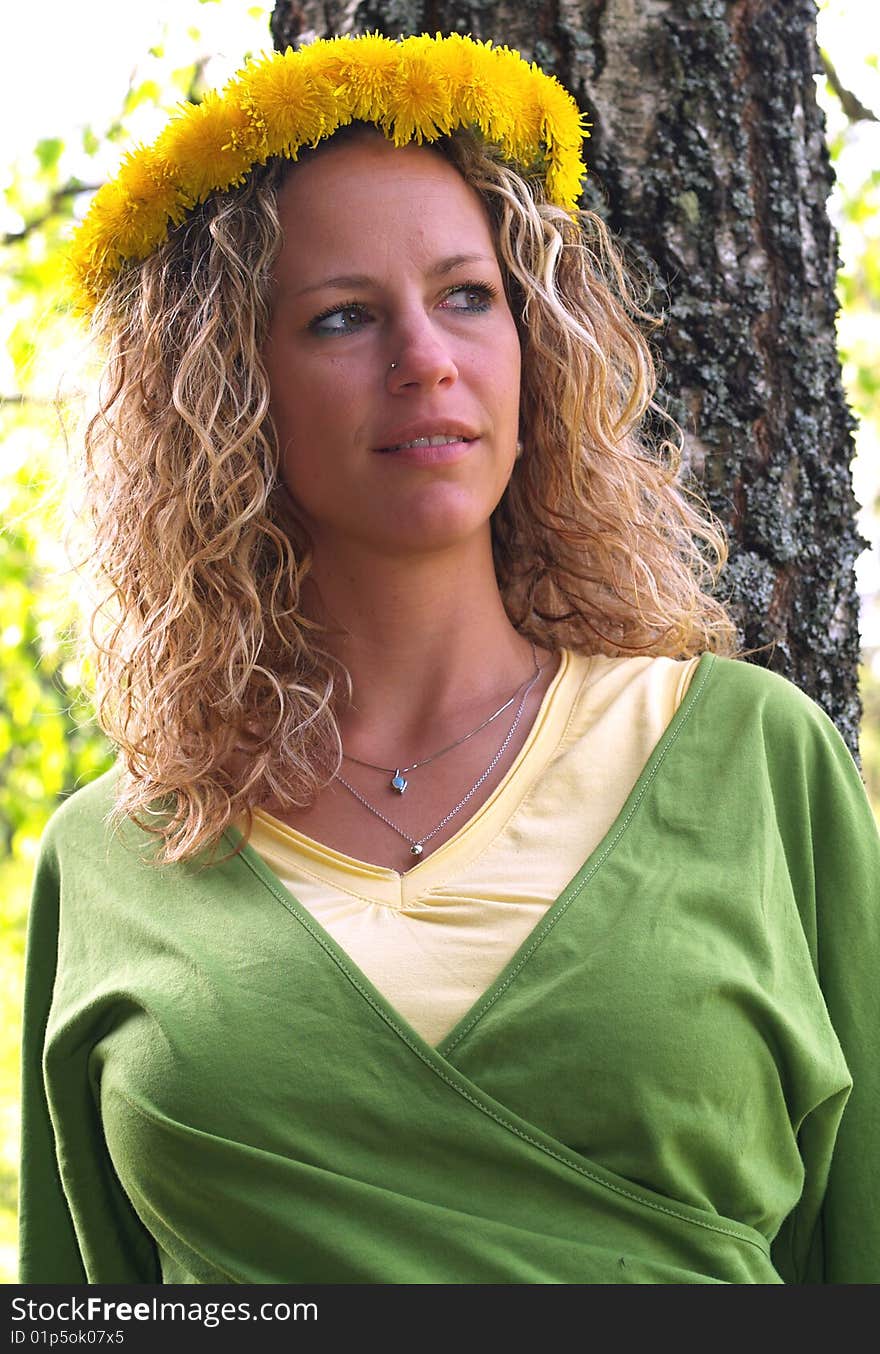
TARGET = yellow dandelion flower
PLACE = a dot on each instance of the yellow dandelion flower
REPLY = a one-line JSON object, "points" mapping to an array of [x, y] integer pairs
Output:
{"points": [[363, 74], [514, 123], [146, 178], [419, 107], [325, 60], [119, 226], [323, 56], [208, 146], [455, 61], [564, 178], [558, 114], [93, 257], [138, 231], [110, 209], [467, 70], [86, 283], [294, 108]]}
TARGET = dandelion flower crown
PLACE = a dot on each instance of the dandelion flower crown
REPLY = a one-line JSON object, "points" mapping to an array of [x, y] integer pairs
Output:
{"points": [[412, 89]]}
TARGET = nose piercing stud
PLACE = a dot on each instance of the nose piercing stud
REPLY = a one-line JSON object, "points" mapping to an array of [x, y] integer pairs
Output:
{"points": [[393, 366]]}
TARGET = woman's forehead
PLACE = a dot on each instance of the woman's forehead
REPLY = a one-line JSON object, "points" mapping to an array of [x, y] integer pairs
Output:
{"points": [[359, 163], [367, 198]]}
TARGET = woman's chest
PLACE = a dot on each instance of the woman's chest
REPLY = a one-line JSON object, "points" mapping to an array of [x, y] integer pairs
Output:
{"points": [[648, 1024], [395, 816], [361, 815]]}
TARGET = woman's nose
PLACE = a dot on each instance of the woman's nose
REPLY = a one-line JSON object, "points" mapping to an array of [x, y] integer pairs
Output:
{"points": [[420, 356]]}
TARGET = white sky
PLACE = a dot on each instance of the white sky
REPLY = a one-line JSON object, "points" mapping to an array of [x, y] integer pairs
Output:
{"points": [[67, 62]]}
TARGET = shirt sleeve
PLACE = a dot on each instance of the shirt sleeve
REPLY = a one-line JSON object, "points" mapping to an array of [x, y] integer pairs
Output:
{"points": [[833, 852], [76, 1225]]}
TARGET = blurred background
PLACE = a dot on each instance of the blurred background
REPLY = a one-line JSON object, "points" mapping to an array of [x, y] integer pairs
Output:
{"points": [[68, 109]]}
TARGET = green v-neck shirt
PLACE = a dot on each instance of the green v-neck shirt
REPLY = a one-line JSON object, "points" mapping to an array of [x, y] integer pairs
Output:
{"points": [[214, 1093]]}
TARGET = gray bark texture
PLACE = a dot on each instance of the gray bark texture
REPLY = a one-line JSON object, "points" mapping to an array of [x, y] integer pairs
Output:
{"points": [[707, 158]]}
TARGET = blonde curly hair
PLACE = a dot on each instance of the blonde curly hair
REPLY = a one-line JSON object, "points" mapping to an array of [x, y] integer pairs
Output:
{"points": [[199, 644]]}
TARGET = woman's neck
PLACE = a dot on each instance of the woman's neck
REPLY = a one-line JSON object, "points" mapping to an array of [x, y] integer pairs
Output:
{"points": [[426, 640]]}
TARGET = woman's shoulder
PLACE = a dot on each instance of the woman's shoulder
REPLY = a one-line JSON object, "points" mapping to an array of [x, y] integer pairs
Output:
{"points": [[84, 814], [668, 683], [741, 676], [757, 695], [751, 716], [731, 700]]}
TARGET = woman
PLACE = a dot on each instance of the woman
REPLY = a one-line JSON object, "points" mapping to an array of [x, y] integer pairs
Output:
{"points": [[468, 916]]}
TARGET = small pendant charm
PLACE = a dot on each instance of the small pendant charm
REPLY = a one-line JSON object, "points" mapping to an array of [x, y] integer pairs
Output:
{"points": [[398, 783], [416, 849]]}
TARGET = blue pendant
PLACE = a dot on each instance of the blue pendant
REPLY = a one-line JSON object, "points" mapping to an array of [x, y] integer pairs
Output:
{"points": [[398, 783]]}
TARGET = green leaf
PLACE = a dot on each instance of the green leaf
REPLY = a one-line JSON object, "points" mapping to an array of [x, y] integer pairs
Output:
{"points": [[48, 151], [147, 91], [182, 78]]}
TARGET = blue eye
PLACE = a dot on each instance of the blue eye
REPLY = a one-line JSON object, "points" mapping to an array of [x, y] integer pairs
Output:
{"points": [[345, 319], [479, 295], [353, 315]]}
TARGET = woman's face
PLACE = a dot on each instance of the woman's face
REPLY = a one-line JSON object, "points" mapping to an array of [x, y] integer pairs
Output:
{"points": [[388, 259]]}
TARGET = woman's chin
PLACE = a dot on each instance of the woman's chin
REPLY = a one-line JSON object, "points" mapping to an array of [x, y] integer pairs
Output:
{"points": [[431, 537], [443, 517], [412, 528], [404, 538]]}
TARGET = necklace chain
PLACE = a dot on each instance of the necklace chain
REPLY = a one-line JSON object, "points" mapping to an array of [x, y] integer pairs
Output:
{"points": [[398, 772], [417, 843]]}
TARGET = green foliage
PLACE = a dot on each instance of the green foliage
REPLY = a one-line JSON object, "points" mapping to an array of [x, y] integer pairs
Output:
{"points": [[48, 152], [49, 742], [870, 740], [855, 208]]}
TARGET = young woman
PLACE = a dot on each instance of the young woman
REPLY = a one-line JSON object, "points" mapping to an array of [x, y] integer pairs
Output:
{"points": [[459, 910]]}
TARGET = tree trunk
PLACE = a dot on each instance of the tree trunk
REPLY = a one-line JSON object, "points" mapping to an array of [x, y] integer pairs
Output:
{"points": [[707, 158]]}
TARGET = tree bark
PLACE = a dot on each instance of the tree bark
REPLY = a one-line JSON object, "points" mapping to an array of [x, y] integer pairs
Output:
{"points": [[707, 158]]}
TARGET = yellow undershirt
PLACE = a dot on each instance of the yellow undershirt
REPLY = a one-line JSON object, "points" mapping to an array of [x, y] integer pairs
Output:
{"points": [[433, 939]]}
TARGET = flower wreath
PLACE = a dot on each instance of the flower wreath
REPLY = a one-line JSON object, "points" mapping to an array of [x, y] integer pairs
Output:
{"points": [[412, 89]]}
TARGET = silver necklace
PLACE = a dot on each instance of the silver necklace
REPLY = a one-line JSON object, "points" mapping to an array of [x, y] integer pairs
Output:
{"points": [[398, 781], [416, 844]]}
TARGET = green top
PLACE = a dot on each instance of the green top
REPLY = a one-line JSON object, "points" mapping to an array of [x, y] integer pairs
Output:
{"points": [[654, 1090]]}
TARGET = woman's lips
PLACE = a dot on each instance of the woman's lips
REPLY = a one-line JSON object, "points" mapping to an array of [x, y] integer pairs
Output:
{"points": [[446, 454]]}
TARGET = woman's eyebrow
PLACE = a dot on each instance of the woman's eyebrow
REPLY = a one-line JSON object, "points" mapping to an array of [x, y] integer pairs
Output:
{"points": [[344, 281]]}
